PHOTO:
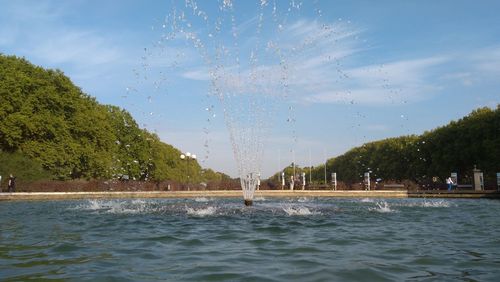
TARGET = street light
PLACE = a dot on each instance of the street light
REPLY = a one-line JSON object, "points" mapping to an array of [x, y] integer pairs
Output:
{"points": [[186, 157]]}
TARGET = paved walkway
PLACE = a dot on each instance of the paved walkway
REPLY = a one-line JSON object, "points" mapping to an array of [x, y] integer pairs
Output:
{"points": [[193, 194], [237, 194]]}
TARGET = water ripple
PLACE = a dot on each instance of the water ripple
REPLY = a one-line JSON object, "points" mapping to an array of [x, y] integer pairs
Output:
{"points": [[193, 240]]}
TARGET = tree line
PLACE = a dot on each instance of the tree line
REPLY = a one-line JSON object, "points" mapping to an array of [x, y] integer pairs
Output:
{"points": [[474, 140], [51, 129]]}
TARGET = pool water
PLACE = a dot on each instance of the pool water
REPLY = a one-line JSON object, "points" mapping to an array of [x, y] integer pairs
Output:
{"points": [[208, 239]]}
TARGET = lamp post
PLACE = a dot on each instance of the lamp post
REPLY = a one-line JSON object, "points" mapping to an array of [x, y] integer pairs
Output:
{"points": [[187, 157], [310, 168], [324, 156]]}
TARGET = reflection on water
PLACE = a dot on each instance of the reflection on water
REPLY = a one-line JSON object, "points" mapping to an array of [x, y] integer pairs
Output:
{"points": [[203, 239]]}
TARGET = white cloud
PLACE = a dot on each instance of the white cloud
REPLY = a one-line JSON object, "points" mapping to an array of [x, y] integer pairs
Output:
{"points": [[487, 60], [465, 78], [474, 67], [38, 31], [321, 68], [318, 63], [403, 81], [80, 48], [400, 81], [201, 74], [28, 12], [305, 54]]}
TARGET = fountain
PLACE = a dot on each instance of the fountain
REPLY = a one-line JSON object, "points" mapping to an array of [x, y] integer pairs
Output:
{"points": [[250, 66]]}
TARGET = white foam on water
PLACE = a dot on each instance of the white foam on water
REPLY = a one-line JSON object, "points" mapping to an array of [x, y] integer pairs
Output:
{"points": [[135, 206], [382, 207], [366, 200], [128, 208], [138, 202], [90, 205], [428, 204], [202, 211], [436, 204], [299, 211], [201, 200], [93, 205], [259, 199], [303, 200]]}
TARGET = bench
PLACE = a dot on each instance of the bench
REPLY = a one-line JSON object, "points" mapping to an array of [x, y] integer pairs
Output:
{"points": [[464, 186]]}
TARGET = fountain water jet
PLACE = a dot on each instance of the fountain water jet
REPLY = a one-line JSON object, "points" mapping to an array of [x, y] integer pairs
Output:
{"points": [[250, 66]]}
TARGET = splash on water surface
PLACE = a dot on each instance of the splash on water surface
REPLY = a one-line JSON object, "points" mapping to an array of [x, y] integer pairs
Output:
{"points": [[201, 211], [382, 207], [290, 210]]}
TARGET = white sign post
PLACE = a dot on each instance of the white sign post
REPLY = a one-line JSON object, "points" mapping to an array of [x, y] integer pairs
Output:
{"points": [[498, 181], [334, 180], [454, 178], [478, 179], [367, 181]]}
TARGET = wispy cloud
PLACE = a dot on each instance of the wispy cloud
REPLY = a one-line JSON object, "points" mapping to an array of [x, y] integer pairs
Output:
{"points": [[39, 33], [197, 74], [487, 60], [320, 65], [400, 81], [465, 78], [302, 55], [474, 67], [317, 61], [81, 48]]}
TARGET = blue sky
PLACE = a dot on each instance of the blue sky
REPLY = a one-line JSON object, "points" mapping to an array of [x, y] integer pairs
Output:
{"points": [[390, 68]]}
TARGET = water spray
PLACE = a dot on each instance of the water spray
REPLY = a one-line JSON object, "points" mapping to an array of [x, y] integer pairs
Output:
{"points": [[251, 64]]}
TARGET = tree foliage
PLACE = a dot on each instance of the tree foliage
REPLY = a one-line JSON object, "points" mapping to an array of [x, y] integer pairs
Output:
{"points": [[456, 147], [46, 119]]}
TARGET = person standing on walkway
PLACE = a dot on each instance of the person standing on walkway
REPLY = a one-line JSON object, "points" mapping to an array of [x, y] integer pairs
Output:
{"points": [[12, 184], [449, 182]]}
